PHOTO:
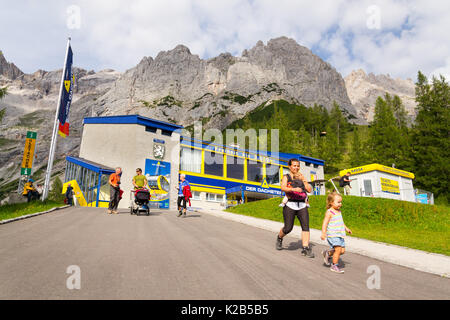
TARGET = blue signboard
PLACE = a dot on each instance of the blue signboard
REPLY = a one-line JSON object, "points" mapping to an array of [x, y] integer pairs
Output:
{"points": [[422, 198], [158, 177]]}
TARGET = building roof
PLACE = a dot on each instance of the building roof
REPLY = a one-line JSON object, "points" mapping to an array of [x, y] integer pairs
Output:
{"points": [[94, 166], [133, 119], [378, 167]]}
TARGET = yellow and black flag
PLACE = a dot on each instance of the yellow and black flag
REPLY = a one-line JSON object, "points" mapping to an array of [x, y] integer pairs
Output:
{"points": [[66, 96]]}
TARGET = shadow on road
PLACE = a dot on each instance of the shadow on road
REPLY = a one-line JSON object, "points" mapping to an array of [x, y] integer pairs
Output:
{"points": [[298, 245], [141, 214]]}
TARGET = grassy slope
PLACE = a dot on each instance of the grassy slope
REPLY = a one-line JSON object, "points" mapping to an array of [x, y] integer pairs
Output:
{"points": [[412, 225], [10, 211]]}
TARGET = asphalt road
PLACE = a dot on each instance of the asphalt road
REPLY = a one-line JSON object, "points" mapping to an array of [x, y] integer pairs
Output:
{"points": [[198, 257]]}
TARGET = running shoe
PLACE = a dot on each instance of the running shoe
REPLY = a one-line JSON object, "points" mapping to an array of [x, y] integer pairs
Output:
{"points": [[335, 268], [279, 244], [179, 213], [326, 258], [308, 252]]}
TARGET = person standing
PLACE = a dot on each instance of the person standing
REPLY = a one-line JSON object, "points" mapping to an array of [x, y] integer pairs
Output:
{"points": [[294, 181], [181, 197], [69, 195], [139, 180], [333, 229], [345, 182], [114, 191]]}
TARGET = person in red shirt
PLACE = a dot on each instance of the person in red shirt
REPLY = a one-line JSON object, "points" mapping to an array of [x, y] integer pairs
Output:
{"points": [[114, 190]]}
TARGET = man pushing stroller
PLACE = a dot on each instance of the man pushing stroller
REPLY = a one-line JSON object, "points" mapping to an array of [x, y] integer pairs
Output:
{"points": [[140, 183]]}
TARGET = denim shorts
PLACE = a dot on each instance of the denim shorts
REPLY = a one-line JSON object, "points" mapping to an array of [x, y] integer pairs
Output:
{"points": [[336, 241]]}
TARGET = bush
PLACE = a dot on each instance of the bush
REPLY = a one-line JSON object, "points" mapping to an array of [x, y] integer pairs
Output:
{"points": [[55, 193]]}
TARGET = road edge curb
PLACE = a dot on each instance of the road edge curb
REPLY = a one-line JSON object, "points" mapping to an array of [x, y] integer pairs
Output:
{"points": [[31, 215], [360, 246]]}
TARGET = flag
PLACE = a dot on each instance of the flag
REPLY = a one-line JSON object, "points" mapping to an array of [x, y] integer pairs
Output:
{"points": [[66, 96]]}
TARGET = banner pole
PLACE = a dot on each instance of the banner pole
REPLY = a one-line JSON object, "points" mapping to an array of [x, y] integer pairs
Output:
{"points": [[55, 131]]}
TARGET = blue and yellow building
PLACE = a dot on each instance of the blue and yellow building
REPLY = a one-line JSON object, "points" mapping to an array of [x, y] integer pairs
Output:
{"points": [[219, 175]]}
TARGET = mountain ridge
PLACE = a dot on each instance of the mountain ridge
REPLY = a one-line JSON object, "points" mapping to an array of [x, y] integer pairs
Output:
{"points": [[175, 86]]}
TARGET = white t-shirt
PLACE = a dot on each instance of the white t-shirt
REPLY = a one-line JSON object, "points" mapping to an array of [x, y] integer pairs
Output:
{"points": [[296, 205]]}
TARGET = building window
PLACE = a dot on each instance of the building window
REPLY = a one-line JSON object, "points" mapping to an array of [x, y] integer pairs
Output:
{"points": [[150, 129], [166, 132], [213, 163], [235, 168], [284, 171], [191, 160], [254, 171], [213, 197], [307, 164], [273, 174], [316, 166], [196, 195]]}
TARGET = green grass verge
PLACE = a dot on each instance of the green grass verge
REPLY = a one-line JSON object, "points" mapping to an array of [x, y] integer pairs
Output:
{"points": [[407, 224], [10, 211]]}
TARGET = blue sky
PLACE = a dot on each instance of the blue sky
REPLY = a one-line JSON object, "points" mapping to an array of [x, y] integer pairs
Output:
{"points": [[380, 36]]}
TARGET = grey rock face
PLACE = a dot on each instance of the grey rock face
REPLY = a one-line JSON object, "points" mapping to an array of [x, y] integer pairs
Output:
{"points": [[363, 90], [30, 105], [8, 69], [225, 87]]}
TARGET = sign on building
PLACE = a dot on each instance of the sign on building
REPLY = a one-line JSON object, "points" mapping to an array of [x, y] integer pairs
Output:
{"points": [[389, 186]]}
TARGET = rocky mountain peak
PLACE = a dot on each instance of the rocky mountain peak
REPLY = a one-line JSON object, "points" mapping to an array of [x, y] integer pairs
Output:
{"points": [[9, 70], [363, 90]]}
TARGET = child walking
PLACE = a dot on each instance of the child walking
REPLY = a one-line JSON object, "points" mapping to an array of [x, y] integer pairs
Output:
{"points": [[333, 228]]}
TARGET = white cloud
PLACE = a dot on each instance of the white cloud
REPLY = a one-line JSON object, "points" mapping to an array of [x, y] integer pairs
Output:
{"points": [[116, 34]]}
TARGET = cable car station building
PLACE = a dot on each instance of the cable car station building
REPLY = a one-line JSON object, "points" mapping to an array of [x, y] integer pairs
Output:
{"points": [[219, 175]]}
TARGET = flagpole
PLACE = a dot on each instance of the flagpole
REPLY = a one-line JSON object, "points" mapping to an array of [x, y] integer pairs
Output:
{"points": [[55, 131]]}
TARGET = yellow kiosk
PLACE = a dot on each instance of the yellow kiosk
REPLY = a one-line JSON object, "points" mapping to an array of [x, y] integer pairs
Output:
{"points": [[376, 180]]}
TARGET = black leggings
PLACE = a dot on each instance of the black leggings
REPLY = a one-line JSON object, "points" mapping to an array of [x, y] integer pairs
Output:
{"points": [[181, 198], [289, 217]]}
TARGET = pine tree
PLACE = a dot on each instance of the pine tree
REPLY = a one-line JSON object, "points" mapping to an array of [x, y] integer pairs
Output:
{"points": [[3, 92], [399, 112], [431, 136], [356, 154]]}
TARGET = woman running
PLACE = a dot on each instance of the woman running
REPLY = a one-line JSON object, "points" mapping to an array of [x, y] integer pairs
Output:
{"points": [[294, 184]]}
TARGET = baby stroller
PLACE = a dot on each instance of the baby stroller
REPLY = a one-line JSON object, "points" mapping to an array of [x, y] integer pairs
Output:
{"points": [[140, 202]]}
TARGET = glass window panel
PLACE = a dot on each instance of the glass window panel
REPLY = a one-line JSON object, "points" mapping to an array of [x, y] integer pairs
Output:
{"points": [[235, 167], [213, 163], [191, 160], [273, 174], [104, 188], [254, 171], [284, 170], [77, 174], [196, 195]]}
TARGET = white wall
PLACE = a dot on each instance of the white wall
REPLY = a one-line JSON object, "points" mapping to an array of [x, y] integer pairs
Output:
{"points": [[128, 146], [405, 185]]}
